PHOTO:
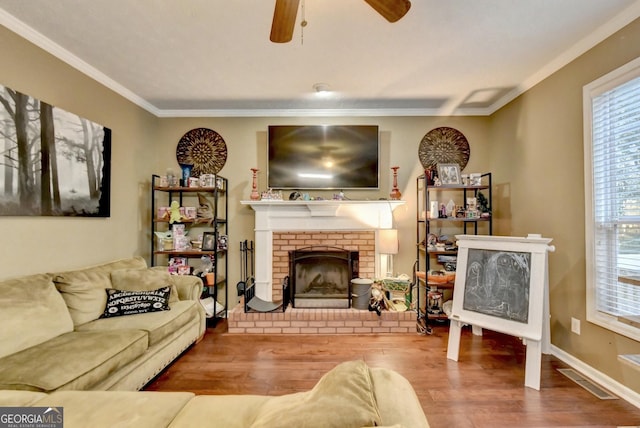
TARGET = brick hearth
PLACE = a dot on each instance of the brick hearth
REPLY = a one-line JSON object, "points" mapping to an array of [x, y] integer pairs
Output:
{"points": [[321, 321], [282, 226]]}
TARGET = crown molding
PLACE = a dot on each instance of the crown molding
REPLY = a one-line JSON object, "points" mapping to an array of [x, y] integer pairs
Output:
{"points": [[622, 19], [371, 112], [38, 39]]}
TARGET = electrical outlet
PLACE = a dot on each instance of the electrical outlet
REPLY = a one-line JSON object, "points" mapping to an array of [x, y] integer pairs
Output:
{"points": [[575, 325]]}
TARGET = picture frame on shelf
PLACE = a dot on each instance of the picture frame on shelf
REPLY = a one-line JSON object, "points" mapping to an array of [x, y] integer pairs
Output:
{"points": [[475, 179], [191, 213], [209, 241], [472, 204], [449, 174], [223, 242]]}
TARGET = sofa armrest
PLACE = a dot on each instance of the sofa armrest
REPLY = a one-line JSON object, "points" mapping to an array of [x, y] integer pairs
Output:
{"points": [[397, 400], [189, 286]]}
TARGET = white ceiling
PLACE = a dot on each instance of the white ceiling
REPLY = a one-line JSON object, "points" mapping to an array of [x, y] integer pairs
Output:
{"points": [[214, 57]]}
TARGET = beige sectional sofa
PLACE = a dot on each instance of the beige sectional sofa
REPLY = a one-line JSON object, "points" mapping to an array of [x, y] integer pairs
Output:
{"points": [[58, 352], [351, 395], [53, 337]]}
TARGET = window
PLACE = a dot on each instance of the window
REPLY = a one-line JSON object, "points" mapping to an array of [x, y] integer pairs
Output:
{"points": [[612, 198]]}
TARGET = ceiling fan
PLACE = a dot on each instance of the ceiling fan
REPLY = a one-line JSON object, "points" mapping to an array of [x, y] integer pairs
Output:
{"points": [[284, 15]]}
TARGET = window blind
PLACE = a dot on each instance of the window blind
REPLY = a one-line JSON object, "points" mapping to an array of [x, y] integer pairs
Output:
{"points": [[616, 199]]}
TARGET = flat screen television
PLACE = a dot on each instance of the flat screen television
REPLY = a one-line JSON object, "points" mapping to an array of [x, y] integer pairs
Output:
{"points": [[323, 157]]}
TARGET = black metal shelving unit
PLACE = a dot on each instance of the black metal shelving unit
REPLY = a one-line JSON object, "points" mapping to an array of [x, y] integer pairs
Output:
{"points": [[426, 256], [188, 196]]}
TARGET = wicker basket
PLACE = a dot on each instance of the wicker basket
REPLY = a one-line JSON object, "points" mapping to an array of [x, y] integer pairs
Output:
{"points": [[393, 285], [398, 290]]}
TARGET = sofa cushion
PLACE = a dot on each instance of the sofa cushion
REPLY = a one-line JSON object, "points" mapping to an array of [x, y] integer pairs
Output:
{"points": [[228, 411], [83, 289], [158, 325], [75, 360], [32, 312], [12, 398], [342, 398], [121, 302], [398, 404], [143, 280], [107, 409]]}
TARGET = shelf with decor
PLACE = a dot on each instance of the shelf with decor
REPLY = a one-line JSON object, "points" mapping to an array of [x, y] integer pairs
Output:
{"points": [[189, 234], [442, 212], [192, 253]]}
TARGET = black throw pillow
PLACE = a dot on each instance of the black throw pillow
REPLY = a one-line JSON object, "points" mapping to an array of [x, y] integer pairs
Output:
{"points": [[122, 302]]}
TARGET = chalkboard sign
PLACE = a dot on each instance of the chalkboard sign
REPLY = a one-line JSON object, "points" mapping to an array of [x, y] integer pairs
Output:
{"points": [[500, 282], [497, 284], [502, 285]]}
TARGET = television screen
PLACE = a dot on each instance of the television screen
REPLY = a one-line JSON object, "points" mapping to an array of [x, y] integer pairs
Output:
{"points": [[323, 157]]}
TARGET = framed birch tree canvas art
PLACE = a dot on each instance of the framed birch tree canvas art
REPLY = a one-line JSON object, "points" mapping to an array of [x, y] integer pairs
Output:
{"points": [[52, 162]]}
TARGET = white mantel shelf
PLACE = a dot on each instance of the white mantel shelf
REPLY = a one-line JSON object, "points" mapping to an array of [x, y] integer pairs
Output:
{"points": [[324, 215], [303, 215]]}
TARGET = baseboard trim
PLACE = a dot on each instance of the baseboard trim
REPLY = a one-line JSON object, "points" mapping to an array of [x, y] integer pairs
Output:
{"points": [[611, 384]]}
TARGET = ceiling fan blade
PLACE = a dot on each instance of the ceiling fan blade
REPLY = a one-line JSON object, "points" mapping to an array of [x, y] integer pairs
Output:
{"points": [[391, 10], [284, 19]]}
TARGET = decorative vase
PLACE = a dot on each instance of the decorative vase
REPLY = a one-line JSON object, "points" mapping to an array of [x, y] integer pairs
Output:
{"points": [[395, 192], [255, 196]]}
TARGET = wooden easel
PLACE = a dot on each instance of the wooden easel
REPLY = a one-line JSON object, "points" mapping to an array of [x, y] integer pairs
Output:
{"points": [[537, 333]]}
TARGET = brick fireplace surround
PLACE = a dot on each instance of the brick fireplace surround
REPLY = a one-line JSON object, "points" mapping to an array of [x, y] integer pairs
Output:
{"points": [[362, 241], [287, 225]]}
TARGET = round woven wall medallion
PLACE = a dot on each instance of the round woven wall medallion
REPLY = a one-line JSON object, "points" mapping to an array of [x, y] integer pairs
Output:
{"points": [[204, 149], [443, 145]]}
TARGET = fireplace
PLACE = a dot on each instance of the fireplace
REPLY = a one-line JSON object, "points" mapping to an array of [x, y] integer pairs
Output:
{"points": [[320, 277], [342, 218]]}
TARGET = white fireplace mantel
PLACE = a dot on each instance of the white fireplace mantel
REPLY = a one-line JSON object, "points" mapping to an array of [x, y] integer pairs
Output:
{"points": [[299, 215]]}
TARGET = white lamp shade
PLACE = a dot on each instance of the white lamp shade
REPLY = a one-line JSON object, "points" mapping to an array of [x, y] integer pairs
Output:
{"points": [[388, 241]]}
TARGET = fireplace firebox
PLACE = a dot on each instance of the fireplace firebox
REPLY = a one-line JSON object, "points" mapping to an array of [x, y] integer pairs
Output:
{"points": [[320, 277]]}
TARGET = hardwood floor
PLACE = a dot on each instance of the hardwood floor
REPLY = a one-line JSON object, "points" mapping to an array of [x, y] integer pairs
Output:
{"points": [[484, 389]]}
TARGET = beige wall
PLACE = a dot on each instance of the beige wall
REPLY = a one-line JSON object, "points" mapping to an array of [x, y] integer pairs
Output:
{"points": [[42, 244], [246, 140], [144, 144], [537, 156], [533, 146]]}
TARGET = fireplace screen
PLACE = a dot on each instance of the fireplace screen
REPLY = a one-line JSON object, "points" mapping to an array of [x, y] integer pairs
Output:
{"points": [[321, 278]]}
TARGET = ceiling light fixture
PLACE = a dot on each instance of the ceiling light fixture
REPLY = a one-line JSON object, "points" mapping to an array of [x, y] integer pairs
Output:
{"points": [[321, 89]]}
